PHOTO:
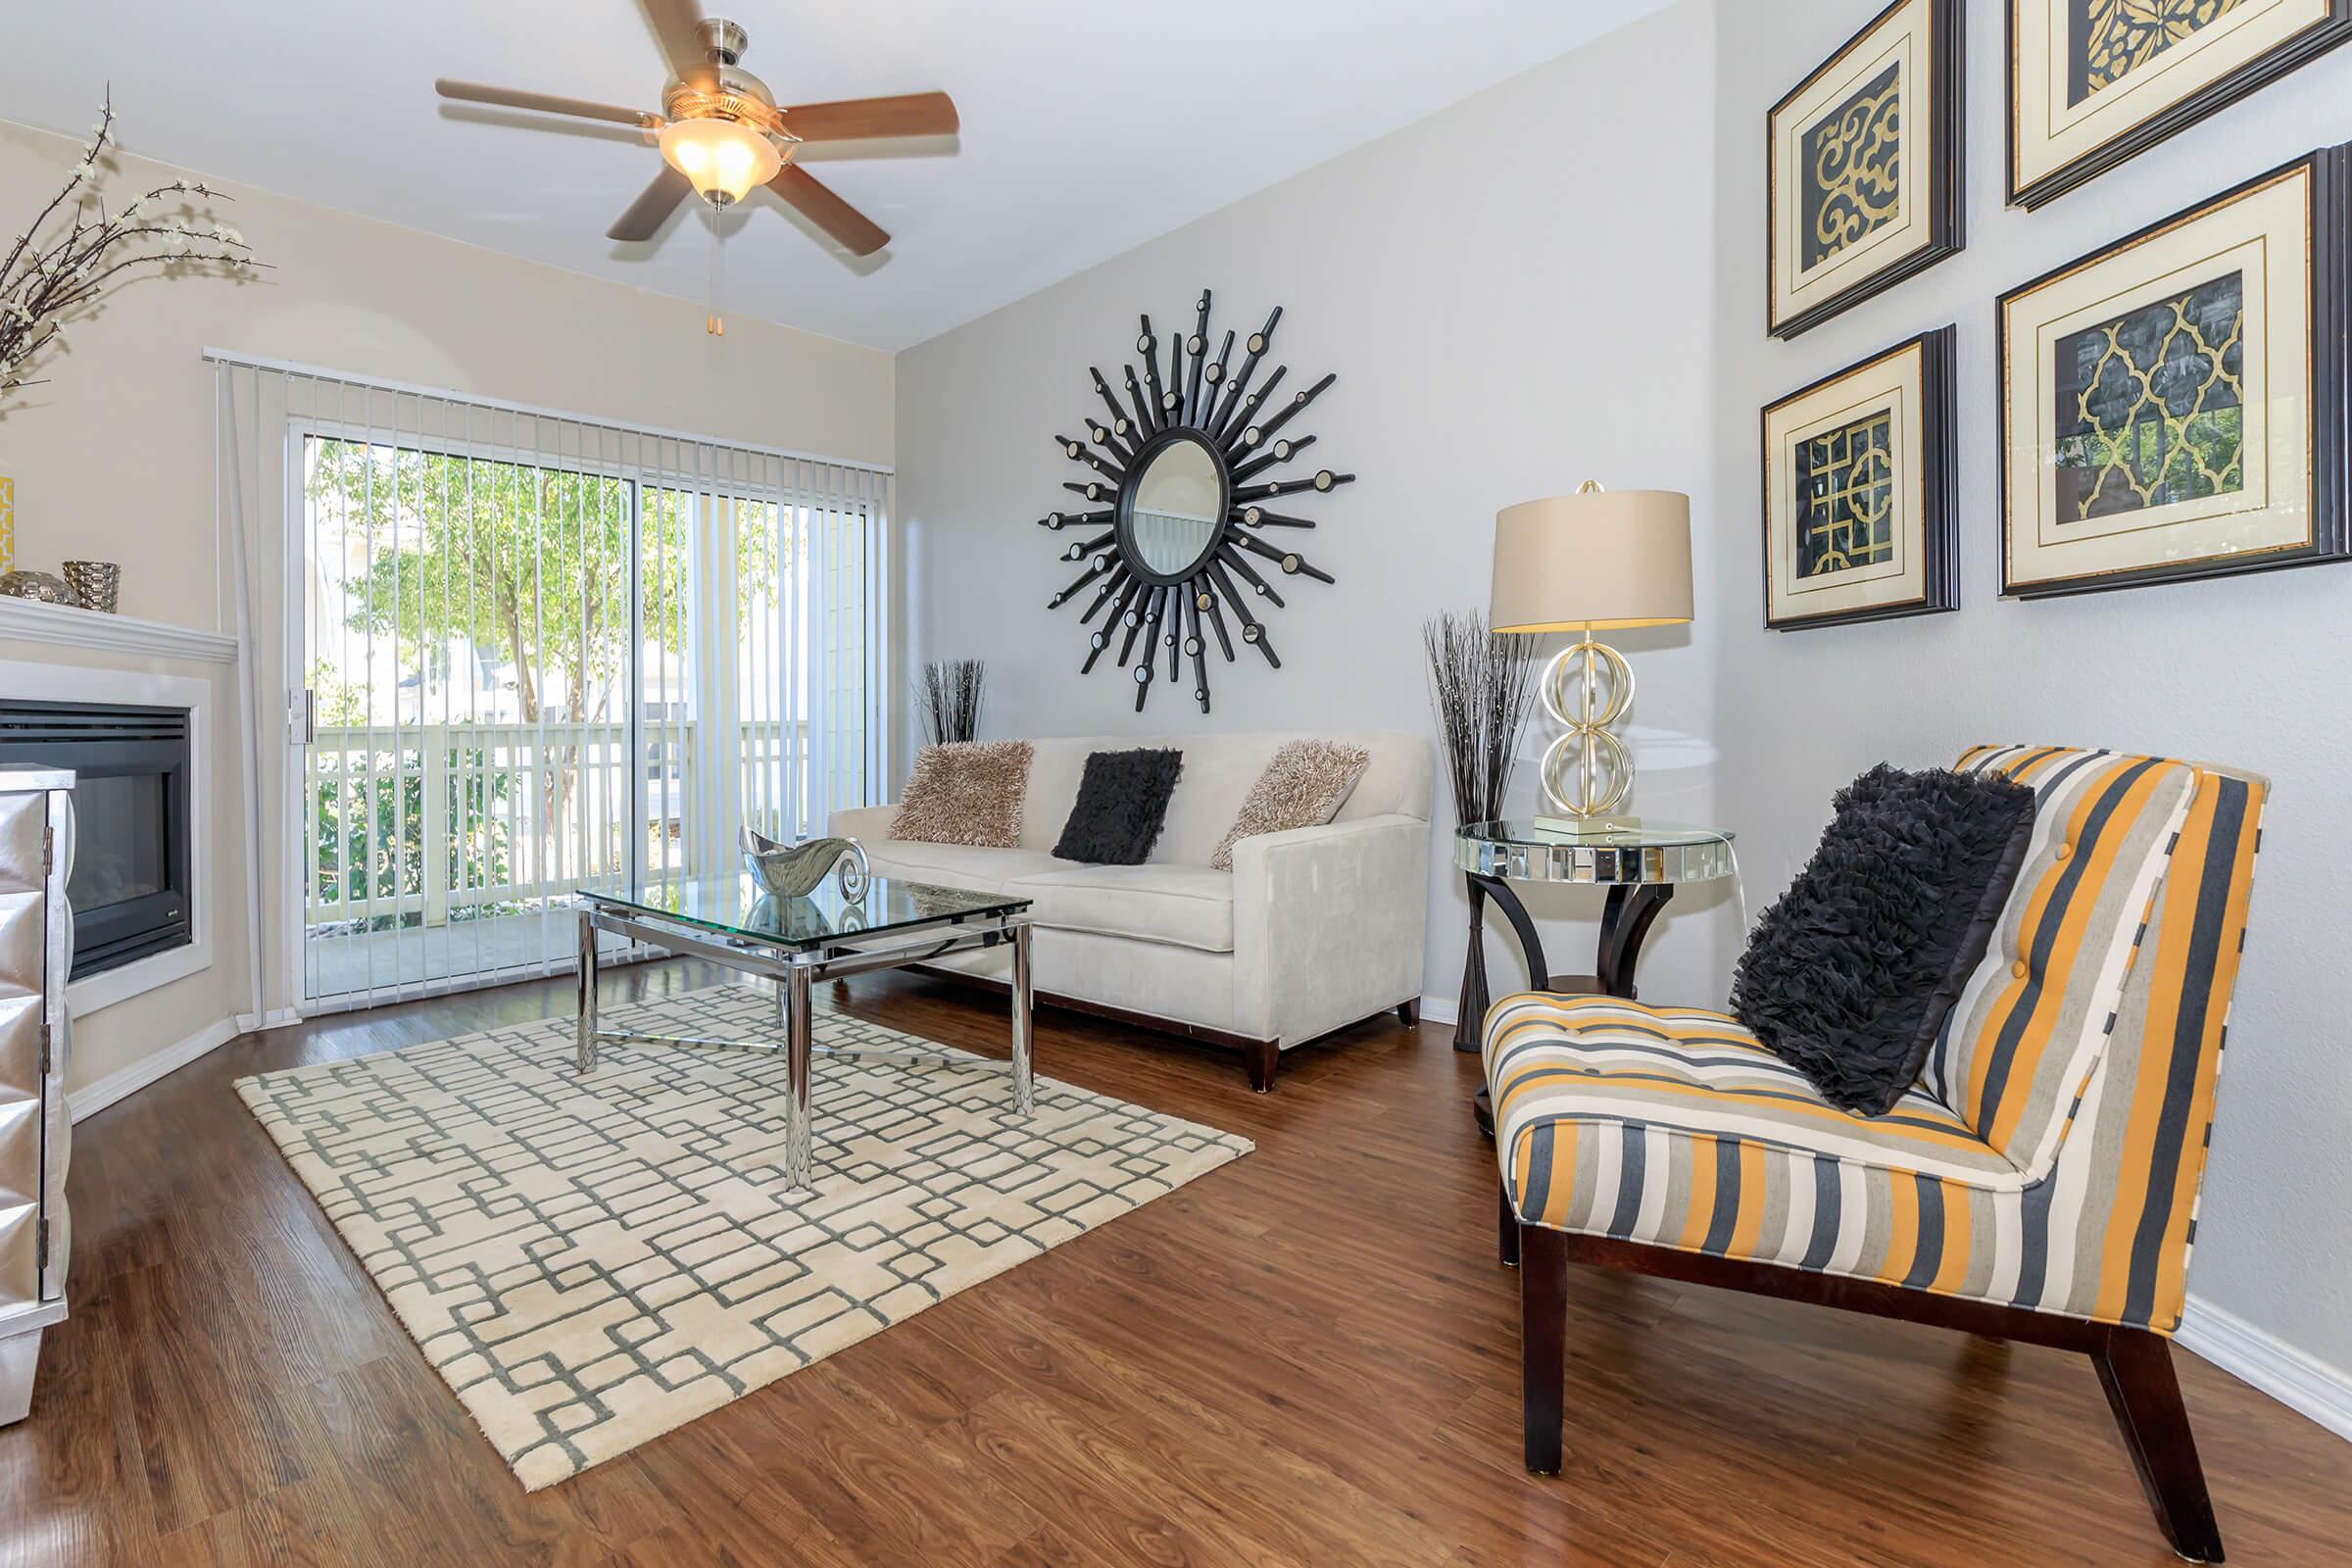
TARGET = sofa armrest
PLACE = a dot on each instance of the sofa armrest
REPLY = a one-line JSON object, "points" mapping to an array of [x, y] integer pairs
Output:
{"points": [[869, 824], [1328, 924]]}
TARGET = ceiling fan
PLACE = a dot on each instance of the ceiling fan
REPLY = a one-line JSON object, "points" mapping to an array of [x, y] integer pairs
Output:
{"points": [[721, 132]]}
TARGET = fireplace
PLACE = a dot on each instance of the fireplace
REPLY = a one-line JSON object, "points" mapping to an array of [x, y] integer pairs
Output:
{"points": [[130, 888]]}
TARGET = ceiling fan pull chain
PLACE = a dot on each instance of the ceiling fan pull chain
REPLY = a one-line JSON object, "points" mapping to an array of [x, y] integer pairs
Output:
{"points": [[714, 323]]}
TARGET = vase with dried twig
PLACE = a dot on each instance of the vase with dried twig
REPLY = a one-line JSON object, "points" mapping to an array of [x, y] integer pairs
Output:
{"points": [[949, 693], [1482, 684], [75, 249]]}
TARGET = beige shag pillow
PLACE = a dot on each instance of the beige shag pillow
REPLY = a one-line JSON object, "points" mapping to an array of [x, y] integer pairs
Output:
{"points": [[966, 792], [1304, 786]]}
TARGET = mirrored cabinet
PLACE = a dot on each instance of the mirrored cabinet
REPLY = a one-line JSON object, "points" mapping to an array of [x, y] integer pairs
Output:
{"points": [[36, 936]]}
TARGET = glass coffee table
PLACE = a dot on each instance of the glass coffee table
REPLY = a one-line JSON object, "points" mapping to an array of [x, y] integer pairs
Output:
{"points": [[731, 920]]}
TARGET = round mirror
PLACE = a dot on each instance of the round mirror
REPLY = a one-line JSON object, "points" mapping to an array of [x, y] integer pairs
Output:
{"points": [[1172, 512]]}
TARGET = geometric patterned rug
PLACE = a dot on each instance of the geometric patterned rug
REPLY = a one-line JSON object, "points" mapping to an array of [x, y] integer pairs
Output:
{"points": [[591, 1263]]}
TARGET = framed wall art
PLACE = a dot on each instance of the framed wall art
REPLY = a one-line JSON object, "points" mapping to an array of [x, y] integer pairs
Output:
{"points": [[2174, 406], [2095, 82], [1864, 165], [1859, 492]]}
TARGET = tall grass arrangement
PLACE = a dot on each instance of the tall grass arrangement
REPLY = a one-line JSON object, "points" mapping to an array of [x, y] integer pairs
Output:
{"points": [[1481, 683], [950, 694]]}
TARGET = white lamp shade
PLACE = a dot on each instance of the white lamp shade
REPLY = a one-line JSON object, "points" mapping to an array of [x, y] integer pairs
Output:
{"points": [[1598, 558], [719, 155]]}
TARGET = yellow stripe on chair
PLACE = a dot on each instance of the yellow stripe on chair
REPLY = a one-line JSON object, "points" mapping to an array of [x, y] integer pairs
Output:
{"points": [[2068, 950]]}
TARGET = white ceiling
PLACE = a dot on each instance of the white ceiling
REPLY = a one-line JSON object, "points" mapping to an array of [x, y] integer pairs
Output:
{"points": [[1088, 127]]}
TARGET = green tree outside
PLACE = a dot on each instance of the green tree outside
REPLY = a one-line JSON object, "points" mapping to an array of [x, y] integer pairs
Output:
{"points": [[526, 565]]}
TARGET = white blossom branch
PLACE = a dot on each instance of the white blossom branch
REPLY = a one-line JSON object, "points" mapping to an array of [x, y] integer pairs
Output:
{"points": [[45, 282]]}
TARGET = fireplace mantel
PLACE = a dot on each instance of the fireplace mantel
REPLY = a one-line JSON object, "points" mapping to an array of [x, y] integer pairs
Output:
{"points": [[71, 626]]}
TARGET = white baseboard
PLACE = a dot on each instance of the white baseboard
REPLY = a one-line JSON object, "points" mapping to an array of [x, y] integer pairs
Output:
{"points": [[249, 1023], [92, 1097], [1441, 1010], [2300, 1382]]}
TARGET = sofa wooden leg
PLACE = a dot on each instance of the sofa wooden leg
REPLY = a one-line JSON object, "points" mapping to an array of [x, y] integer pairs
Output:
{"points": [[2135, 1367], [1261, 1058], [1506, 1230], [1542, 1342], [1408, 1013]]}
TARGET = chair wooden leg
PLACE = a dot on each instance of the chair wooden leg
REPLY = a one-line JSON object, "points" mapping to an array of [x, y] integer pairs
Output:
{"points": [[1506, 1229], [2135, 1367], [1542, 1342], [1261, 1058], [1408, 1013]]}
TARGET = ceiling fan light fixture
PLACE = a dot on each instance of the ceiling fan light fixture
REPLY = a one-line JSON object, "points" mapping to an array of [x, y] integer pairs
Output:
{"points": [[721, 159], [720, 131]]}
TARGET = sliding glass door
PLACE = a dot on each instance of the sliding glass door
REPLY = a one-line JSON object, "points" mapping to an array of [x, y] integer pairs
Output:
{"points": [[538, 654]]}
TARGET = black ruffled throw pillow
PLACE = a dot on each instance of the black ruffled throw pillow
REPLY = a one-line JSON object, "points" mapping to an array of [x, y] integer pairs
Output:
{"points": [[1850, 975], [1122, 804]]}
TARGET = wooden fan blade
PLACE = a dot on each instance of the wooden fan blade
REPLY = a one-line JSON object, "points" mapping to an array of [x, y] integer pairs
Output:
{"points": [[473, 92], [679, 23], [858, 234], [646, 213], [915, 113]]}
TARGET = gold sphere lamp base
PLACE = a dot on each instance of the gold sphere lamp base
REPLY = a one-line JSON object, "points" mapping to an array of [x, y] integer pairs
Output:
{"points": [[1587, 772]]}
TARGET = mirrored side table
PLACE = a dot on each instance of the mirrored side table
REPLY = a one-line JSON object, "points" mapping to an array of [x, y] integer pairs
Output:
{"points": [[1641, 864]]}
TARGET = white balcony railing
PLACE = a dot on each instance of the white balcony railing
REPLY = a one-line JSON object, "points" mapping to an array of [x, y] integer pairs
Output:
{"points": [[425, 823]]}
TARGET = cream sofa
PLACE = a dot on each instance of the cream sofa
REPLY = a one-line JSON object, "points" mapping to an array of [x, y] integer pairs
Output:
{"points": [[1310, 931]]}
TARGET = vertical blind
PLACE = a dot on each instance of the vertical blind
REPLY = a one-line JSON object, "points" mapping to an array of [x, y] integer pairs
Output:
{"points": [[527, 652]]}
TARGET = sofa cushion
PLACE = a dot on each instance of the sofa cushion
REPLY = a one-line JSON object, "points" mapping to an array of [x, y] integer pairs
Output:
{"points": [[966, 792], [1303, 786], [1122, 804], [1183, 906], [956, 865], [1850, 975], [1218, 770]]}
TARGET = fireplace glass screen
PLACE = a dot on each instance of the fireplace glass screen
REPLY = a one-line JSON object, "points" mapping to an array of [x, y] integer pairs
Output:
{"points": [[122, 852]]}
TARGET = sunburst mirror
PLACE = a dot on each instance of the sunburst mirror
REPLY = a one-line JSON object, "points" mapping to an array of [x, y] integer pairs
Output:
{"points": [[1182, 470]]}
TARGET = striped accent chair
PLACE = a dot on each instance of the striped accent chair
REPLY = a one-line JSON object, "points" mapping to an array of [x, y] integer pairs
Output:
{"points": [[2038, 1183]]}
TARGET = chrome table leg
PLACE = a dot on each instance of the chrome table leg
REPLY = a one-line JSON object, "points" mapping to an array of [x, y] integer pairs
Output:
{"points": [[798, 1001], [1024, 1097], [584, 976]]}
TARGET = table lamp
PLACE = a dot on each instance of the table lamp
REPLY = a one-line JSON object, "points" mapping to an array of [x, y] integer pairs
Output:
{"points": [[1593, 561]]}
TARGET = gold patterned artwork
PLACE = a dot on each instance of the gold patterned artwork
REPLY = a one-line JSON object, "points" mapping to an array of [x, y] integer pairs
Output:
{"points": [[1860, 491], [1845, 495], [2115, 37], [2151, 405], [1853, 169]]}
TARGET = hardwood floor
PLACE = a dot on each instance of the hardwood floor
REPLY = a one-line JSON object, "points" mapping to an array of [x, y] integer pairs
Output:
{"points": [[1310, 1355]]}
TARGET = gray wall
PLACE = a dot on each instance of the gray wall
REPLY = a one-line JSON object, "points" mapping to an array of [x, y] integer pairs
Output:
{"points": [[1514, 294], [1564, 278], [2246, 671]]}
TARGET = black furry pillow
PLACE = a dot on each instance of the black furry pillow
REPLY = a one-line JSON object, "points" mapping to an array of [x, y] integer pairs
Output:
{"points": [[1122, 804], [1849, 976]]}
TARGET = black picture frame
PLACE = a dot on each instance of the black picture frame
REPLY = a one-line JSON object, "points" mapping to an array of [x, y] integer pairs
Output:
{"points": [[1945, 124], [1206, 401], [1939, 483], [2331, 29], [2330, 499]]}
